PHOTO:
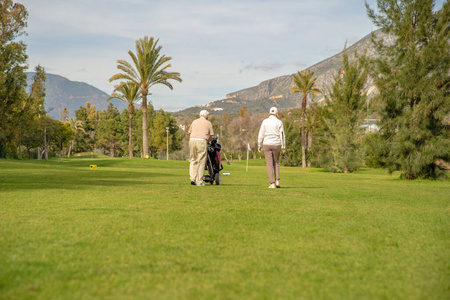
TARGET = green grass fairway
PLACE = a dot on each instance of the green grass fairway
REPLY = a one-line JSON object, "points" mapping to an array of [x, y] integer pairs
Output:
{"points": [[138, 230]]}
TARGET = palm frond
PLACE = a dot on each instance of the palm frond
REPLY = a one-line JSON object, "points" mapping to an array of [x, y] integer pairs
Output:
{"points": [[127, 92], [147, 68], [305, 83]]}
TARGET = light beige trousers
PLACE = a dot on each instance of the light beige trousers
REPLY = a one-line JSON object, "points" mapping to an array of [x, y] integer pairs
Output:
{"points": [[272, 154], [197, 159]]}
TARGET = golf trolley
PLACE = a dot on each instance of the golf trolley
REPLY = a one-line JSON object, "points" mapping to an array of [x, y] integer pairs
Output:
{"points": [[213, 163]]}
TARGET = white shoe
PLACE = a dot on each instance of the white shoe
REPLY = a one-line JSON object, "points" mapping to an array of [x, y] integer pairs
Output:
{"points": [[201, 184], [272, 186], [277, 183]]}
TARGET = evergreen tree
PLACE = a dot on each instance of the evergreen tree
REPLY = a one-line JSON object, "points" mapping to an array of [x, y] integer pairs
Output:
{"points": [[124, 124], [60, 136], [32, 107], [345, 115], [412, 76], [13, 58], [85, 140], [108, 134], [158, 137], [13, 21], [292, 129]]}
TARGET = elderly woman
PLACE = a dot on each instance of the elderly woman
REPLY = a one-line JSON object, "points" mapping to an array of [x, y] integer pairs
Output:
{"points": [[272, 138]]}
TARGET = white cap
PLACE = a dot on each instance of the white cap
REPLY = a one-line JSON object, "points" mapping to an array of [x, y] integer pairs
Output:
{"points": [[273, 111], [204, 113]]}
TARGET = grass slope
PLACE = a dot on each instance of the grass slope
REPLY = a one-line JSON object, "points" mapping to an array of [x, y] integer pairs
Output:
{"points": [[136, 229]]}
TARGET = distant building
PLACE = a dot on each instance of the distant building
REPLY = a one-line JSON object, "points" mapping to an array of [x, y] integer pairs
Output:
{"points": [[370, 125]]}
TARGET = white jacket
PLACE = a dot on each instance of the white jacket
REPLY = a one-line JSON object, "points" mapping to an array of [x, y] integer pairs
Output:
{"points": [[272, 133]]}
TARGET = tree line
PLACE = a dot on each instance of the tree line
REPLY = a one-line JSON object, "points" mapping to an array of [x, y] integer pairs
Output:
{"points": [[22, 113], [107, 132]]}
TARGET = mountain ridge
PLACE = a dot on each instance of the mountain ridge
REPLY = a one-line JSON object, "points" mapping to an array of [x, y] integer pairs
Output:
{"points": [[64, 93], [276, 91]]}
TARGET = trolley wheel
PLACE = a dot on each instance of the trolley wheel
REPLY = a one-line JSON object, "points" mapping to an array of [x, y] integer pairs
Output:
{"points": [[218, 179]]}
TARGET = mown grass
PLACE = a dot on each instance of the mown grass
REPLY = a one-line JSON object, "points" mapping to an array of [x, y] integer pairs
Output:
{"points": [[137, 230]]}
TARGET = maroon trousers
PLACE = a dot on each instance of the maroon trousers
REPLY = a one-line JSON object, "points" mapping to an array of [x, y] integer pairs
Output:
{"points": [[272, 155]]}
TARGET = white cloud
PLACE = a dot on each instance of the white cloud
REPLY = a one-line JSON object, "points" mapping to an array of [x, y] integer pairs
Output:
{"points": [[218, 46]]}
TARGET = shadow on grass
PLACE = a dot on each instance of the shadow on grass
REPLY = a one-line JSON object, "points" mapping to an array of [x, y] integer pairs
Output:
{"points": [[86, 162], [48, 182], [37, 175], [311, 187], [106, 209]]}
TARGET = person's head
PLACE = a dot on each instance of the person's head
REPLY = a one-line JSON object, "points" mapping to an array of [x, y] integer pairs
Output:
{"points": [[204, 113], [273, 111]]}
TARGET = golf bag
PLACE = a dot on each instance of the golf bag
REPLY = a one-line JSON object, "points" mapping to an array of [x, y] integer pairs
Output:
{"points": [[213, 163]]}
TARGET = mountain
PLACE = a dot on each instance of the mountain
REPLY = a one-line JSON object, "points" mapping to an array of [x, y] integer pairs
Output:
{"points": [[276, 91], [63, 93]]}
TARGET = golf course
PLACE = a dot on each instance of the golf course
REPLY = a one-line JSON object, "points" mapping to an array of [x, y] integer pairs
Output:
{"points": [[137, 229]]}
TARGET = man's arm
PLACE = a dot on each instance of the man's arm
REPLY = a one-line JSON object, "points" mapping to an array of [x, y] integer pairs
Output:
{"points": [[211, 132]]}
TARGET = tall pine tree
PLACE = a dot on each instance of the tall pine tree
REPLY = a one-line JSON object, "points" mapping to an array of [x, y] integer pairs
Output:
{"points": [[108, 132], [345, 115], [412, 76], [13, 17]]}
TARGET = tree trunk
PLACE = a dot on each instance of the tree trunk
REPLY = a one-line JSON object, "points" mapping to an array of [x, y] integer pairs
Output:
{"points": [[45, 142], [70, 149], [60, 151], [410, 175], [144, 125], [39, 153], [303, 131], [130, 132], [20, 148], [310, 139]]}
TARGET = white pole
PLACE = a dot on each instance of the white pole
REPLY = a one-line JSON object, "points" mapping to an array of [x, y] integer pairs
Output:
{"points": [[368, 126], [167, 131], [248, 150], [246, 170]]}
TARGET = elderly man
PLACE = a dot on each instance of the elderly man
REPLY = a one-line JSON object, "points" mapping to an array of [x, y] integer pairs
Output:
{"points": [[200, 132]]}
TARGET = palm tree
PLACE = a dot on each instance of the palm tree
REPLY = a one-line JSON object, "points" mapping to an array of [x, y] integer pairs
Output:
{"points": [[148, 69], [75, 125], [128, 92], [305, 83]]}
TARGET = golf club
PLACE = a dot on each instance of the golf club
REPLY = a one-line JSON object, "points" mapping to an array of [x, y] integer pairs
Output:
{"points": [[226, 158]]}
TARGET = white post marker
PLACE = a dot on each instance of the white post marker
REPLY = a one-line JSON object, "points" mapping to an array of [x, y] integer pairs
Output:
{"points": [[248, 150], [167, 131]]}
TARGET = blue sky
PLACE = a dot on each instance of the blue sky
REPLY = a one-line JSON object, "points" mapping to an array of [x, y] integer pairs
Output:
{"points": [[218, 46]]}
